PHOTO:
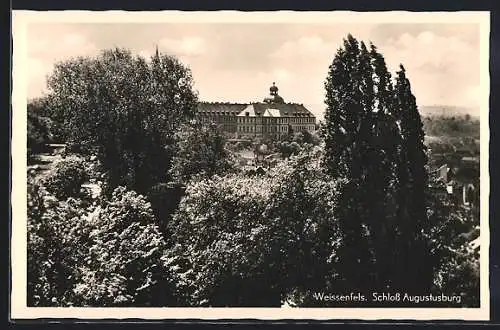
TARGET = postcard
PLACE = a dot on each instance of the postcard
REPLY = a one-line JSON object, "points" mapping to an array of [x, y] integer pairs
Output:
{"points": [[250, 165]]}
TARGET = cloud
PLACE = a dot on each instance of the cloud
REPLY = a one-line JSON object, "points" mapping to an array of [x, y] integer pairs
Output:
{"points": [[50, 47], [305, 50], [282, 75], [441, 68], [187, 46], [45, 48], [442, 60], [429, 49]]}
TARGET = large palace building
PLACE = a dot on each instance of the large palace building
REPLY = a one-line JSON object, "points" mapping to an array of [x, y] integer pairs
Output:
{"points": [[271, 118]]}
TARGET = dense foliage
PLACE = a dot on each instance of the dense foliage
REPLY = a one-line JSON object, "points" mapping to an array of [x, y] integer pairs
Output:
{"points": [[374, 139], [103, 254], [127, 107], [66, 177], [181, 223], [200, 152], [39, 130], [294, 143], [450, 232], [255, 241], [57, 243], [454, 126]]}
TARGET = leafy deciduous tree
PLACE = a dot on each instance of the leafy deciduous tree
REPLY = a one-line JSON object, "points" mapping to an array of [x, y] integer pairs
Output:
{"points": [[127, 107]]}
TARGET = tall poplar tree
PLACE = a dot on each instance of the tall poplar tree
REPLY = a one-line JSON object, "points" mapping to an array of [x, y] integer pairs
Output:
{"points": [[381, 175], [374, 141], [413, 259], [345, 151]]}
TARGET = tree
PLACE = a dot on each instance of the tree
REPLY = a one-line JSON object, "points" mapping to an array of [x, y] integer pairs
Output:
{"points": [[110, 254], [255, 240], [344, 111], [40, 130], [66, 177], [347, 136], [413, 182], [127, 107], [374, 140], [124, 265], [456, 265], [200, 151], [58, 240], [381, 181]]}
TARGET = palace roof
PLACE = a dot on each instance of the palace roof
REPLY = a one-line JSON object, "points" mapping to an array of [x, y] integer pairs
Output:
{"points": [[276, 110], [221, 108], [254, 109], [272, 106]]}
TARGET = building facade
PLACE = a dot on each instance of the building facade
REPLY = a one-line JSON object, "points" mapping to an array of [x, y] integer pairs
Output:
{"points": [[271, 118]]}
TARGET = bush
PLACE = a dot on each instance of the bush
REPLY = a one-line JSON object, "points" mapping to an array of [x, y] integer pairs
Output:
{"points": [[124, 265], [58, 241], [38, 133], [200, 153], [108, 255], [66, 178], [165, 199], [288, 149], [251, 240]]}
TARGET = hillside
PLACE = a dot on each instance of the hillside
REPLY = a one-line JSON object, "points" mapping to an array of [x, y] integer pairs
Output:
{"points": [[425, 111], [448, 111]]}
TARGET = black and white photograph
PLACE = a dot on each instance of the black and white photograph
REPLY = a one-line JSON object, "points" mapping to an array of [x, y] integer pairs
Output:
{"points": [[206, 165]]}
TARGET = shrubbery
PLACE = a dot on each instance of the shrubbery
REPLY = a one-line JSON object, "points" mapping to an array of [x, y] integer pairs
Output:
{"points": [[458, 270], [39, 133], [254, 241], [200, 151], [66, 178], [294, 143], [105, 255], [123, 265], [58, 242], [459, 126]]}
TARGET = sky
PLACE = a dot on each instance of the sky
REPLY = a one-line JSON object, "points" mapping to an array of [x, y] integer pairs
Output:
{"points": [[238, 62]]}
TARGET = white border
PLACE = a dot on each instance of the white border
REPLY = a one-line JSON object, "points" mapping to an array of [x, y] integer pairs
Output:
{"points": [[19, 310]]}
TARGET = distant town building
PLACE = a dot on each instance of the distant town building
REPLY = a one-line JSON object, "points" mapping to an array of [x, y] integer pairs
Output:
{"points": [[271, 118], [461, 182]]}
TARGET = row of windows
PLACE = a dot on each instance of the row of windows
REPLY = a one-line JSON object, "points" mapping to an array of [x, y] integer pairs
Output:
{"points": [[259, 129], [254, 120], [218, 120], [304, 128], [284, 120], [234, 114], [283, 129], [302, 120]]}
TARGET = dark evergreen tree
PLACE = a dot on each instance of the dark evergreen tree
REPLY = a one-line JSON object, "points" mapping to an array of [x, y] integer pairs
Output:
{"points": [[374, 140], [414, 263], [380, 177], [346, 135]]}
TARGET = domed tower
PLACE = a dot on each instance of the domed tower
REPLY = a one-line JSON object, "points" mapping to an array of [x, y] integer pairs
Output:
{"points": [[274, 97]]}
